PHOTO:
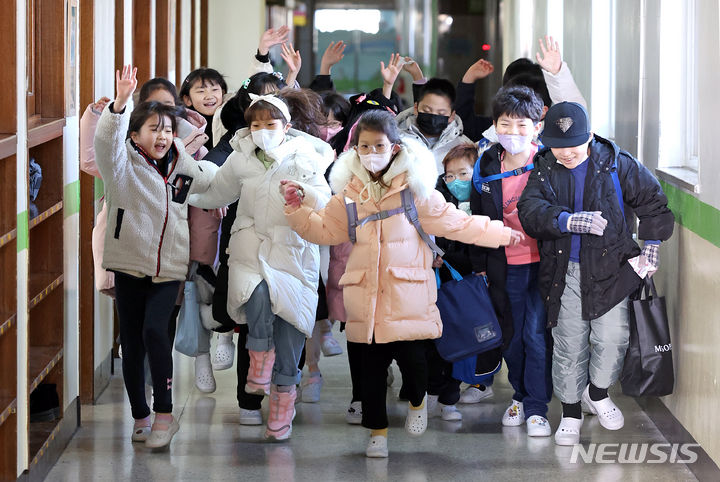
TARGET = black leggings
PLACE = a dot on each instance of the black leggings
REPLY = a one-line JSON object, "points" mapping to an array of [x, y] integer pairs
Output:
{"points": [[144, 309], [245, 400]]}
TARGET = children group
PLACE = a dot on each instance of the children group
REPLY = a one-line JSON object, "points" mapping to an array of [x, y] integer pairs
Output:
{"points": [[288, 209]]}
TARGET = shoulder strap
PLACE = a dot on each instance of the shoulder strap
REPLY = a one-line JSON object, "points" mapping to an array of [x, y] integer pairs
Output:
{"points": [[618, 189], [503, 175], [408, 204], [351, 210]]}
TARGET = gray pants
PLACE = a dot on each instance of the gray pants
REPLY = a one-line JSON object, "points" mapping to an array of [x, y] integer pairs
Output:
{"points": [[581, 347], [267, 330]]}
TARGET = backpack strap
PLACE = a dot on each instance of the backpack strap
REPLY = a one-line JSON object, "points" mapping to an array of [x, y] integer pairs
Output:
{"points": [[408, 204], [503, 175], [618, 190], [351, 210]]}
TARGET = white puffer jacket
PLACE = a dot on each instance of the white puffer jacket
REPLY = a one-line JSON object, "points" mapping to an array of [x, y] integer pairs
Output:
{"points": [[262, 245], [147, 228], [450, 137]]}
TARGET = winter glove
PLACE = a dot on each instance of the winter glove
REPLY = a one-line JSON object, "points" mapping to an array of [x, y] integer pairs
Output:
{"points": [[587, 222], [650, 251]]}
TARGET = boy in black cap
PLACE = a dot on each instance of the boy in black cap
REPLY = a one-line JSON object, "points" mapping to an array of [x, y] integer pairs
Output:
{"points": [[574, 206]]}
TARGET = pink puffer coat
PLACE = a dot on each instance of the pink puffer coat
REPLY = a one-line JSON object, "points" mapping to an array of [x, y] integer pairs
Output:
{"points": [[388, 286]]}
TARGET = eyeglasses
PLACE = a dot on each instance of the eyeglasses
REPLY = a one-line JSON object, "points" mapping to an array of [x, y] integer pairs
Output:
{"points": [[378, 148], [462, 175]]}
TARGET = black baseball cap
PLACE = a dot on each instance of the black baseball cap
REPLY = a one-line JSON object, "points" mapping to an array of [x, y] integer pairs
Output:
{"points": [[566, 125]]}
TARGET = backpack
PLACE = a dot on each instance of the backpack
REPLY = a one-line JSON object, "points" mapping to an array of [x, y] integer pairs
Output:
{"points": [[407, 207]]}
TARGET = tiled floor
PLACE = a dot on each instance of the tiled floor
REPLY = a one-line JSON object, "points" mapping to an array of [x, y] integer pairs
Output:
{"points": [[211, 445]]}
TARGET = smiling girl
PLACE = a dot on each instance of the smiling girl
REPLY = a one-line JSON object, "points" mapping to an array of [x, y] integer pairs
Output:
{"points": [[148, 177], [202, 91]]}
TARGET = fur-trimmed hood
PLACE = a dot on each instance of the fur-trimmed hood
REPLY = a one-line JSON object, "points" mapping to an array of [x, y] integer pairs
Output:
{"points": [[414, 160]]}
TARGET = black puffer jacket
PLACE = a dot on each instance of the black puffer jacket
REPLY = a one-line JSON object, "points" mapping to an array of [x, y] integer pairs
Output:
{"points": [[493, 262], [606, 276]]}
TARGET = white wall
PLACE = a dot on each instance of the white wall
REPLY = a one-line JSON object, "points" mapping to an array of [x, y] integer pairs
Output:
{"points": [[233, 35]]}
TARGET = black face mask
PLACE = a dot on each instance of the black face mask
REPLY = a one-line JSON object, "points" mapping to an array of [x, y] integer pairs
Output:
{"points": [[432, 124]]}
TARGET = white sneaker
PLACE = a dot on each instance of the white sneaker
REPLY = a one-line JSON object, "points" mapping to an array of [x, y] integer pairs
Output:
{"points": [[450, 413], [250, 417], [474, 394], [538, 426], [353, 416], [433, 406], [310, 389], [204, 378], [568, 432], [330, 346], [377, 447], [609, 415], [416, 420], [514, 415], [225, 352]]}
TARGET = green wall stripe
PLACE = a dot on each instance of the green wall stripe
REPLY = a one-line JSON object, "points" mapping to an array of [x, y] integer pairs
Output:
{"points": [[22, 231], [71, 201], [99, 188], [700, 218]]}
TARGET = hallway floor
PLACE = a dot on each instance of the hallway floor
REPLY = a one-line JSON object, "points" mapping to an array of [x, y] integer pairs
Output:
{"points": [[211, 445]]}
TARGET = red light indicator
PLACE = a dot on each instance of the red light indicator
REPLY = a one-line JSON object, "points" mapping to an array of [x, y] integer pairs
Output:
{"points": [[485, 47]]}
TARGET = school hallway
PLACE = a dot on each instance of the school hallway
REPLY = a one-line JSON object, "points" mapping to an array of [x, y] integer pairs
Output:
{"points": [[212, 445]]}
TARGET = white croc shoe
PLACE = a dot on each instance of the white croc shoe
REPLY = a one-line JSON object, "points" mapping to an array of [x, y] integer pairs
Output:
{"points": [[204, 378], [568, 432], [416, 421], [224, 352], [514, 416], [538, 426], [377, 447], [609, 415]]}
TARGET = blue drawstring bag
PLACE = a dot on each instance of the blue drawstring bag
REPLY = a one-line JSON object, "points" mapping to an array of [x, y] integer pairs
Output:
{"points": [[478, 369], [470, 326]]}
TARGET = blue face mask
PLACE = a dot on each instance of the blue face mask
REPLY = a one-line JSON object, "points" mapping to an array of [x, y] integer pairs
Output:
{"points": [[460, 189]]}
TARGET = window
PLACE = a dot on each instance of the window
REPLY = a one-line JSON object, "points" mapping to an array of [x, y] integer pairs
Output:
{"points": [[603, 64], [678, 86]]}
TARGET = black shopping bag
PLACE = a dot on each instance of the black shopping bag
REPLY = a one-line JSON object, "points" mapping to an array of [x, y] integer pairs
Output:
{"points": [[648, 369]]}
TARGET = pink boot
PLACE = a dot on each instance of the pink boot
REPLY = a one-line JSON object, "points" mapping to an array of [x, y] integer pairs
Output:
{"points": [[282, 413], [260, 371]]}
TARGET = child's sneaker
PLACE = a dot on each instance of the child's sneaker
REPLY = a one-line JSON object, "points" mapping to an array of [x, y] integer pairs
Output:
{"points": [[162, 433], [514, 415], [609, 415], [377, 447], [416, 420], [568, 432], [311, 387], [250, 417], [450, 413], [330, 346], [353, 416], [141, 429], [282, 413], [538, 426], [260, 372], [476, 393], [225, 352], [204, 378]]}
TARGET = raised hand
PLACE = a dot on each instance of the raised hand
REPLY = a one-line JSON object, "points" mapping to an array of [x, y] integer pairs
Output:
{"points": [[479, 70], [291, 57], [333, 54], [126, 85], [390, 73], [550, 60], [412, 68], [272, 36], [100, 105]]}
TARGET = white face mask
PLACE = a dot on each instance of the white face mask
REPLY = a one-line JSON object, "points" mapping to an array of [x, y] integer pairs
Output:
{"points": [[268, 139], [375, 162], [514, 143]]}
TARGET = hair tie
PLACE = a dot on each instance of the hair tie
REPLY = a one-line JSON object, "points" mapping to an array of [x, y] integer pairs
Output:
{"points": [[271, 99], [245, 84]]}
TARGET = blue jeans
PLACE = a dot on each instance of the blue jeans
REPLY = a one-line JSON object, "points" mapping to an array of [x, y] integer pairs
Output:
{"points": [[267, 330], [528, 356]]}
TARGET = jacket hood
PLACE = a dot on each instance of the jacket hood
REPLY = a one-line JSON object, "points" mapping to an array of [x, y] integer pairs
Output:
{"points": [[414, 160], [196, 119], [407, 122], [295, 141]]}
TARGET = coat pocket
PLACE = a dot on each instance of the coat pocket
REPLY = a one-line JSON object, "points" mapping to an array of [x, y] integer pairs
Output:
{"points": [[410, 294], [354, 296], [132, 230]]}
